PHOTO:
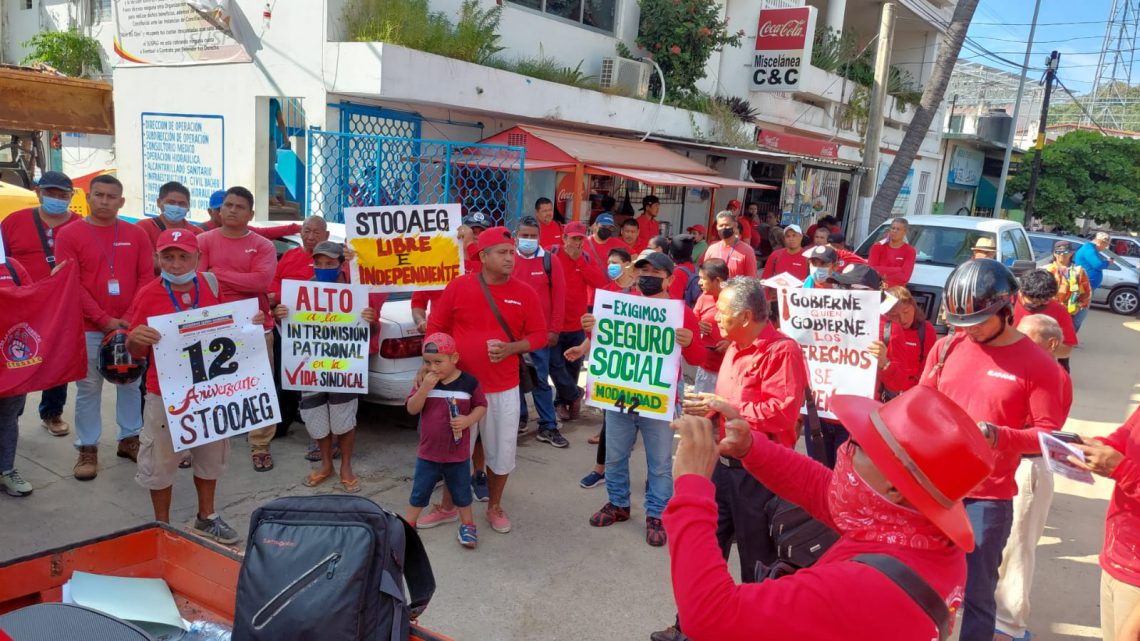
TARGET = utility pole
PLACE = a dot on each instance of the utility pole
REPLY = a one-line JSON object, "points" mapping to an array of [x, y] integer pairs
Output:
{"points": [[874, 137], [1016, 113], [1031, 191]]}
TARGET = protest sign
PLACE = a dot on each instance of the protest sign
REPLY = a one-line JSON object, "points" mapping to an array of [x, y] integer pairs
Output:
{"points": [[634, 357], [324, 341], [404, 248], [834, 327], [213, 367], [1057, 453]]}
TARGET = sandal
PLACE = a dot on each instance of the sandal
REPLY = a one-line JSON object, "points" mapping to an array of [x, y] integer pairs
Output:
{"points": [[186, 462], [262, 461], [315, 478], [352, 487]]}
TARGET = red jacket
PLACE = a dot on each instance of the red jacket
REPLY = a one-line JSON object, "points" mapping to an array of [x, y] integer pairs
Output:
{"points": [[765, 382], [581, 276], [1121, 554], [894, 264], [858, 602], [551, 289], [906, 353]]}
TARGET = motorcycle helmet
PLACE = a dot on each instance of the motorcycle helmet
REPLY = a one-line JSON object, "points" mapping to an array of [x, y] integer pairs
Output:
{"points": [[976, 290], [115, 363]]}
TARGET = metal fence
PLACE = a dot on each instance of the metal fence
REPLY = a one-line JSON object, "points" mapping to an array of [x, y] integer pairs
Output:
{"points": [[359, 170]]}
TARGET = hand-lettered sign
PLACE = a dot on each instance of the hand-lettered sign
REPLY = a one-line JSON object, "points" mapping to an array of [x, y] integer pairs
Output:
{"points": [[324, 340], [403, 248]]}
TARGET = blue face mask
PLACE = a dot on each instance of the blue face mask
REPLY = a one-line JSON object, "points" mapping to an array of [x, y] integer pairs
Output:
{"points": [[54, 206], [614, 271], [327, 274], [820, 274], [528, 246], [180, 279], [175, 213]]}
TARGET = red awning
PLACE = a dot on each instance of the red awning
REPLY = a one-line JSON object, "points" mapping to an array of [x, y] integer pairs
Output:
{"points": [[721, 181], [652, 177]]}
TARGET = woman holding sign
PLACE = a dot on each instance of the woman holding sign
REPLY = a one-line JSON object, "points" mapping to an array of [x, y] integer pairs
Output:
{"points": [[907, 338]]}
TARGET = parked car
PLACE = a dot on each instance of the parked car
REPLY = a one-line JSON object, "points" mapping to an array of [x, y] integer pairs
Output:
{"points": [[1127, 248], [944, 242], [1120, 289]]}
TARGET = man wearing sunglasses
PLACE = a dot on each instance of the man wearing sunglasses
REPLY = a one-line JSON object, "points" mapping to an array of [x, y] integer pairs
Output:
{"points": [[1074, 290]]}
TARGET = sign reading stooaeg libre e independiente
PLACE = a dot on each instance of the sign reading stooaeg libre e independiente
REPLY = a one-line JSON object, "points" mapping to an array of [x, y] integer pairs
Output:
{"points": [[634, 357], [404, 248], [783, 47]]}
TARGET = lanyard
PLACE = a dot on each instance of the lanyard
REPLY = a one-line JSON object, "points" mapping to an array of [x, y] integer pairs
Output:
{"points": [[731, 249], [114, 242], [174, 299]]}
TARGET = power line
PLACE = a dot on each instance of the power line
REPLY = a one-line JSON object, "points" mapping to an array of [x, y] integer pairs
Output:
{"points": [[1039, 24], [1085, 111], [1037, 42]]}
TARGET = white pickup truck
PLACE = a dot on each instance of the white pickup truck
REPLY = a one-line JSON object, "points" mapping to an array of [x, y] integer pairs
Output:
{"points": [[944, 242]]}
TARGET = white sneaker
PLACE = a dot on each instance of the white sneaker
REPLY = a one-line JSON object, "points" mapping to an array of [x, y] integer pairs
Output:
{"points": [[14, 484]]}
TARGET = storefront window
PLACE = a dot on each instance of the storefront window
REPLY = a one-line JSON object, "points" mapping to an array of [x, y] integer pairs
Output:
{"points": [[597, 14]]}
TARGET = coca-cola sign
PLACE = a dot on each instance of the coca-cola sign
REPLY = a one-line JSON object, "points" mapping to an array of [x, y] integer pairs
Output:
{"points": [[783, 47]]}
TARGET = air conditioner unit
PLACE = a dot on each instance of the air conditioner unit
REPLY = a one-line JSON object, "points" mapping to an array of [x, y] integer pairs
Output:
{"points": [[631, 75]]}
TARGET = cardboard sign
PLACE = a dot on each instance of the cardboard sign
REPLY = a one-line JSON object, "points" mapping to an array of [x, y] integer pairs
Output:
{"points": [[324, 341], [834, 327], [634, 357], [1057, 453], [784, 40], [213, 367], [404, 248]]}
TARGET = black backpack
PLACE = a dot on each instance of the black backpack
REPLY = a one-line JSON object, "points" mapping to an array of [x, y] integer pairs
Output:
{"points": [[330, 567], [692, 287]]}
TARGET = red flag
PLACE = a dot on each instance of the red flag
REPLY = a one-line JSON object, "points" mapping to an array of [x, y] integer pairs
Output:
{"points": [[41, 334]]}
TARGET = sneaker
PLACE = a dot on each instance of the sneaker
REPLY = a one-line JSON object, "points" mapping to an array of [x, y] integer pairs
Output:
{"points": [[593, 479], [670, 633], [213, 527], [576, 407], [608, 515], [554, 437], [56, 426], [522, 425], [479, 487], [437, 516], [467, 536], [87, 467], [499, 520], [129, 448], [654, 531], [14, 484]]}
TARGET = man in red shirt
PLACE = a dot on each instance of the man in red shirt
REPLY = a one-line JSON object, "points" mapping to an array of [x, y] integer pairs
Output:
{"points": [[244, 263], [471, 226], [893, 257], [550, 231], [647, 222], [789, 259], [179, 287], [30, 236], [630, 236], [173, 205], [712, 274], [217, 200], [469, 310], [543, 273], [297, 263], [1003, 379], [739, 256], [581, 272], [115, 259], [1038, 296]]}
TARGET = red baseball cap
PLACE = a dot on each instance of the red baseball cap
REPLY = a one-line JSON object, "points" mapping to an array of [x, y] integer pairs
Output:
{"points": [[574, 229], [735, 204], [927, 447], [697, 228], [183, 239], [443, 344], [488, 238]]}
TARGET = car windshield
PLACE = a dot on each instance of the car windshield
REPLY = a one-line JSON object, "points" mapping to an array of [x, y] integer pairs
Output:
{"points": [[945, 246]]}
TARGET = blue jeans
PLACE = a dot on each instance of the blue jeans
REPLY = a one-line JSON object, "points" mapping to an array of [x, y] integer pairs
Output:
{"points": [[992, 521], [89, 401], [52, 401], [456, 477], [542, 394], [657, 436], [10, 409], [565, 373], [1079, 318]]}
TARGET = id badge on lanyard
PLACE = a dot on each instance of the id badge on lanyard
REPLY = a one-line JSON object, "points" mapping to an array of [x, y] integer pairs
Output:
{"points": [[113, 287]]}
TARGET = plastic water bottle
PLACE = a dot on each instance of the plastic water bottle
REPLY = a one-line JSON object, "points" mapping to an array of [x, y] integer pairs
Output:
{"points": [[207, 631]]}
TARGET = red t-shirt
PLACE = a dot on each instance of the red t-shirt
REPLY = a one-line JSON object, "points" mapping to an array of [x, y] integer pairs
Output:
{"points": [[907, 353], [647, 228], [154, 300], [95, 249], [437, 442], [14, 267], [1054, 310], [551, 290], [295, 264], [244, 266], [765, 382], [894, 264], [1121, 554], [153, 227], [22, 241], [581, 276], [705, 311], [740, 257], [464, 313], [422, 299], [1018, 388], [549, 234], [784, 262]]}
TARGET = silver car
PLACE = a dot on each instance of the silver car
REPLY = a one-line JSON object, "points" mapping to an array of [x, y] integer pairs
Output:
{"points": [[1120, 289]]}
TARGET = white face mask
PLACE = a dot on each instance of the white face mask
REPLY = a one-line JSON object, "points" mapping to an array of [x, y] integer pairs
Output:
{"points": [[820, 274]]}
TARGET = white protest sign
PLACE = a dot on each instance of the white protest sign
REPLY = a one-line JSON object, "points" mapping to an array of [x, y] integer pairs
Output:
{"points": [[213, 367], [324, 340], [404, 248], [634, 357], [1057, 453], [834, 327]]}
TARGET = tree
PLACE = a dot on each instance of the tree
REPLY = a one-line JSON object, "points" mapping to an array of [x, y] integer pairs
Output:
{"points": [[948, 50], [1085, 174], [681, 35], [68, 52]]}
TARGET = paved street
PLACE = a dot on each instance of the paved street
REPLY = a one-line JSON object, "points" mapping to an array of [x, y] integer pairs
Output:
{"points": [[554, 577]]}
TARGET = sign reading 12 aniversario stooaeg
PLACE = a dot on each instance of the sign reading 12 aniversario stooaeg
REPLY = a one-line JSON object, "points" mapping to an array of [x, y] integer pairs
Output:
{"points": [[783, 47]]}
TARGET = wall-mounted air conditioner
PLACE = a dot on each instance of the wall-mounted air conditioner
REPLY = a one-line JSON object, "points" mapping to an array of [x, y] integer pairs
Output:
{"points": [[630, 75]]}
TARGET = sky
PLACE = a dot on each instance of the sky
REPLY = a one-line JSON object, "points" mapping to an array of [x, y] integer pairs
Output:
{"points": [[1074, 28]]}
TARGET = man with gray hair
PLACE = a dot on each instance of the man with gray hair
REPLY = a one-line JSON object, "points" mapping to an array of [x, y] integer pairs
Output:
{"points": [[1090, 258], [1030, 508], [736, 253]]}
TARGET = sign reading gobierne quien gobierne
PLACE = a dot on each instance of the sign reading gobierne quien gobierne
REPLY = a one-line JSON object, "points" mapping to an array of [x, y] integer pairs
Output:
{"points": [[783, 47]]}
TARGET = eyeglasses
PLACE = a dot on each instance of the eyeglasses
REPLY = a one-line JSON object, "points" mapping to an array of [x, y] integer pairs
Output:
{"points": [[1062, 252]]}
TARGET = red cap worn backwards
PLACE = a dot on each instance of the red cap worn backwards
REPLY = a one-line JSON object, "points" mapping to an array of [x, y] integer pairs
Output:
{"points": [[183, 239], [440, 343], [495, 236]]}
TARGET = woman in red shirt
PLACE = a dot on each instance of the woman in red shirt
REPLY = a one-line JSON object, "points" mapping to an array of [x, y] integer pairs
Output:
{"points": [[907, 337]]}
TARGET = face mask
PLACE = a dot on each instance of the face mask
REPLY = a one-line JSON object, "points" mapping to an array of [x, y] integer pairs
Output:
{"points": [[180, 279], [820, 274], [650, 285], [726, 233], [613, 271], [326, 274], [605, 233], [54, 206], [528, 246], [175, 213]]}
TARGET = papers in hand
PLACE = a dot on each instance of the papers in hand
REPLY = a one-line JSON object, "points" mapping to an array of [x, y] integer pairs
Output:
{"points": [[782, 281], [1057, 453]]}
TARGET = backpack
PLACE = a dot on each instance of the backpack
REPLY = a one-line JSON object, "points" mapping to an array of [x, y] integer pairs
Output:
{"points": [[692, 288], [349, 558]]}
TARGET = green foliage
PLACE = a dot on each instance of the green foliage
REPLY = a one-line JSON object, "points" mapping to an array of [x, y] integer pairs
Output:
{"points": [[410, 23], [681, 35], [740, 109], [69, 52], [1085, 174], [839, 53], [550, 69]]}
